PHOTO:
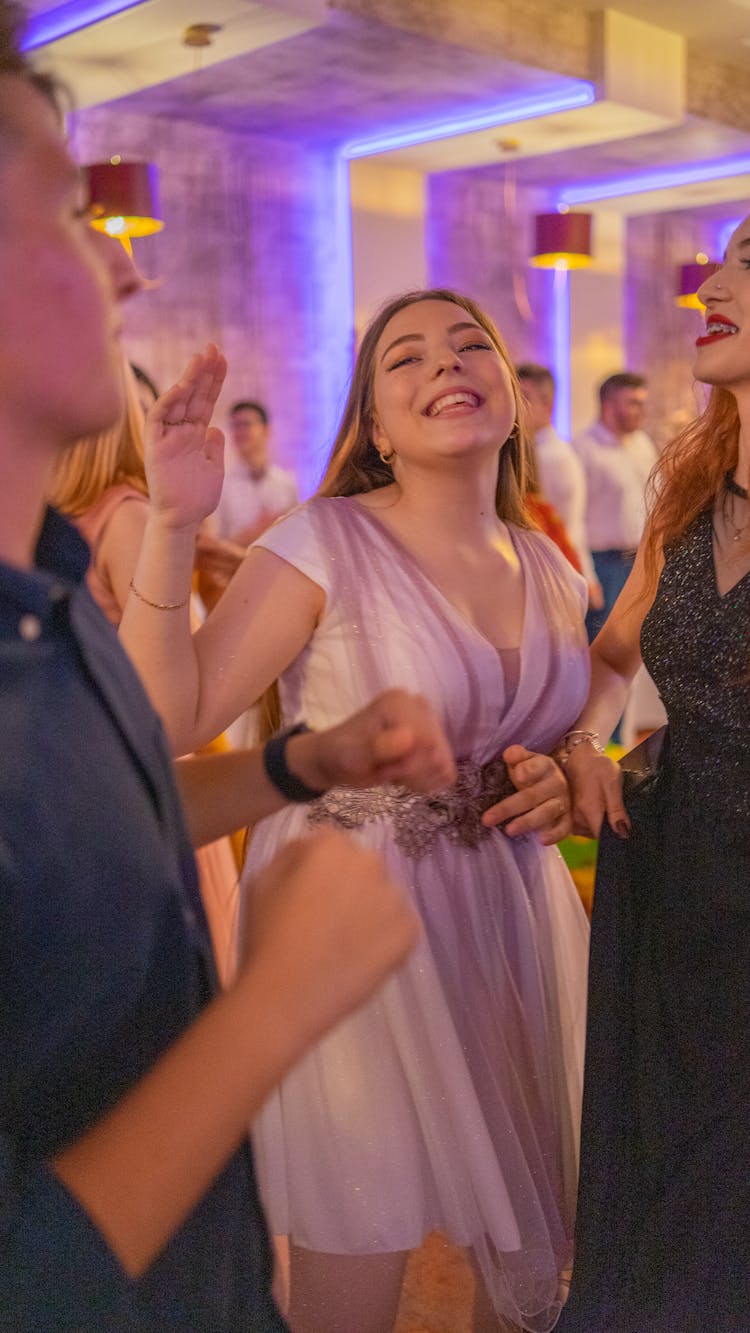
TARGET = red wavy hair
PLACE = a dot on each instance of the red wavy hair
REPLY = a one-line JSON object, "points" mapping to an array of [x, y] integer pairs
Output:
{"points": [[690, 474]]}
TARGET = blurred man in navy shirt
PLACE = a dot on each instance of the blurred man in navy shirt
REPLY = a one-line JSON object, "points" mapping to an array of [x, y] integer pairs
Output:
{"points": [[127, 1196]]}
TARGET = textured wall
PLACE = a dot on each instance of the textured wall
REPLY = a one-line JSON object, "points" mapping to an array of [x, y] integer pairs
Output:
{"points": [[596, 345], [531, 31], [254, 255], [388, 219], [716, 90], [624, 319], [478, 239], [659, 335]]}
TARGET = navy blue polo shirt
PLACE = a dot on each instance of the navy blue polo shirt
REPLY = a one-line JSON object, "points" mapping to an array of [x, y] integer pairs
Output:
{"points": [[104, 961]]}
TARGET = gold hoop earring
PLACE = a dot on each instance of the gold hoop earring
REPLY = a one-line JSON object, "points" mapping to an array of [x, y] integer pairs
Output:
{"points": [[386, 458]]}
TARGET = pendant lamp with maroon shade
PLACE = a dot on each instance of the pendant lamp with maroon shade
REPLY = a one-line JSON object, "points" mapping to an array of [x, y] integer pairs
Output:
{"points": [[124, 198], [690, 278], [562, 240]]}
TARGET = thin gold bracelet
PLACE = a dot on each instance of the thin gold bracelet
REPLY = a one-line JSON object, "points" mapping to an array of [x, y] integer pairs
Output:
{"points": [[159, 606]]}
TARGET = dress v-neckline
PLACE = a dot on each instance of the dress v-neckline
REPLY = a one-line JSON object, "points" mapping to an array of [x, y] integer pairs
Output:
{"points": [[721, 597], [454, 611]]}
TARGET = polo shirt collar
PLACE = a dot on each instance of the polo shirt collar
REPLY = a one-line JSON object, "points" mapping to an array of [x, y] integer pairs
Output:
{"points": [[60, 563]]}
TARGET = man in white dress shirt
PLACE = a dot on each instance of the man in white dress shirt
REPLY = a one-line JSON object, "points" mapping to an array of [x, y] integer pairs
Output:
{"points": [[256, 491], [561, 476], [617, 457]]}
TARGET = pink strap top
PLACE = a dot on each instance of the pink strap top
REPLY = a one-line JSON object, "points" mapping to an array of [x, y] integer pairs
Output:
{"points": [[92, 525]]}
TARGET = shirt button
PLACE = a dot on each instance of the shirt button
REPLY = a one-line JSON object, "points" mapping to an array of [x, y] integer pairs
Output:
{"points": [[29, 627]]}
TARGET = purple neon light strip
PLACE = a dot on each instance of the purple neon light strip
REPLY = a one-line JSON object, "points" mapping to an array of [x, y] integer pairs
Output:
{"points": [[685, 173], [566, 98], [561, 351], [41, 29]]}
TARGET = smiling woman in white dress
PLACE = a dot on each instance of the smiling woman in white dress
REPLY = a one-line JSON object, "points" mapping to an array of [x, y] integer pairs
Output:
{"points": [[452, 1100]]}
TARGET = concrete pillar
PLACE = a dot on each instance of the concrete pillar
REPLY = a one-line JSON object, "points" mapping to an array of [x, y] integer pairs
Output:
{"points": [[254, 255]]}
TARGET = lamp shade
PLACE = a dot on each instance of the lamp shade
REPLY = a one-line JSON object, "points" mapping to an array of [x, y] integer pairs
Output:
{"points": [[562, 240], [124, 198], [690, 278]]}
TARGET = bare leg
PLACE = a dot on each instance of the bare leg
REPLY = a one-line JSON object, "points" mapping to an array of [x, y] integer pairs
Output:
{"points": [[340, 1293], [280, 1287], [486, 1319]]}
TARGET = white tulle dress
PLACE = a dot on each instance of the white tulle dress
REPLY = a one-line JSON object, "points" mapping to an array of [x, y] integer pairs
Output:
{"points": [[452, 1099]]}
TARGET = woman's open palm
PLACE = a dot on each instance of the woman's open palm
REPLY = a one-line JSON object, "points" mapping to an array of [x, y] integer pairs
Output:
{"points": [[184, 452]]}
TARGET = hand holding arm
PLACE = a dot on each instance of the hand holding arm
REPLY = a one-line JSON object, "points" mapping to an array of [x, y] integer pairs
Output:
{"points": [[542, 802], [595, 781], [596, 790]]}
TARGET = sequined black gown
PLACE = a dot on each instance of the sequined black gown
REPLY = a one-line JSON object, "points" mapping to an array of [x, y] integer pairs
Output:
{"points": [[663, 1234]]}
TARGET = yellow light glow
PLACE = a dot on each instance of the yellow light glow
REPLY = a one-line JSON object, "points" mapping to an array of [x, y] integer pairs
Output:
{"points": [[700, 258], [116, 160], [128, 226], [689, 302], [560, 259]]}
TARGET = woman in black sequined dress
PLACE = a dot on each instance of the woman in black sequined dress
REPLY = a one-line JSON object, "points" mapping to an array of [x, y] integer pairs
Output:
{"points": [[663, 1234]]}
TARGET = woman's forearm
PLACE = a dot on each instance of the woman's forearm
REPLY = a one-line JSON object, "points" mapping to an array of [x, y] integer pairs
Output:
{"points": [[608, 693], [316, 951], [224, 792], [615, 654], [156, 631]]}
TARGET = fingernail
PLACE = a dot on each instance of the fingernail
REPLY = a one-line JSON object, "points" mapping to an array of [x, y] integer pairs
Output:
{"points": [[622, 829]]}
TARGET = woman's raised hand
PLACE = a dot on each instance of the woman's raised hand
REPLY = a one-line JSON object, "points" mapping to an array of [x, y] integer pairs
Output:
{"points": [[184, 452]]}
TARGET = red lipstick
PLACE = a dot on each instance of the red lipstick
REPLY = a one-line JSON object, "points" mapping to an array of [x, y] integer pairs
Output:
{"points": [[717, 327]]}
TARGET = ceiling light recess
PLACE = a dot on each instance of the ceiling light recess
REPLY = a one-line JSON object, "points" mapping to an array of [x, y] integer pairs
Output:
{"points": [[685, 173]]}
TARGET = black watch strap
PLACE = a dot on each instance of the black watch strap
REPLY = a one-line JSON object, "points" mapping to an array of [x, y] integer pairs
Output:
{"points": [[274, 762]]}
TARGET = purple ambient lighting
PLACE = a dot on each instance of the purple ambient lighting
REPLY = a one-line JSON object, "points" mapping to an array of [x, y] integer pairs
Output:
{"points": [[502, 113], [688, 173], [561, 412], [41, 29], [725, 235]]}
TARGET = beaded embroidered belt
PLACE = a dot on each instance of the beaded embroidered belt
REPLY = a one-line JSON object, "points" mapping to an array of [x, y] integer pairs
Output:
{"points": [[417, 820]]}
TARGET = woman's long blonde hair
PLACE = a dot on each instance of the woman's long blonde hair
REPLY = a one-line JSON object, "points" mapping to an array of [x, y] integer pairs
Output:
{"points": [[114, 457], [355, 466], [690, 475]]}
